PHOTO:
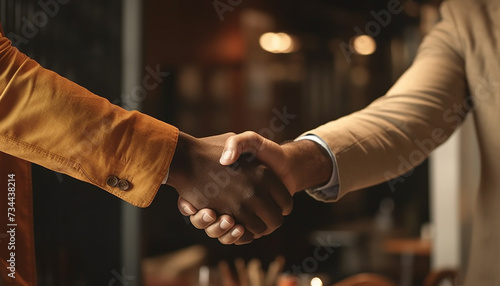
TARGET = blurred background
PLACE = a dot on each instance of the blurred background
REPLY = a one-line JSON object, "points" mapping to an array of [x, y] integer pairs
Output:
{"points": [[215, 66]]}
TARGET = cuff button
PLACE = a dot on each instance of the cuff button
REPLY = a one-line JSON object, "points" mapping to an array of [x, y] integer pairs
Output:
{"points": [[112, 181], [124, 185]]}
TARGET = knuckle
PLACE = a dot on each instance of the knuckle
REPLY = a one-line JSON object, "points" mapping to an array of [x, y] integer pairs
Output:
{"points": [[261, 172], [199, 226], [276, 223], [250, 133], [196, 223], [242, 241], [257, 228], [211, 234], [261, 229], [226, 240], [223, 241]]}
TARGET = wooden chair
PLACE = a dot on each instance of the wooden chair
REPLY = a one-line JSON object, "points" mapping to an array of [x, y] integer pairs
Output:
{"points": [[444, 277], [365, 279]]}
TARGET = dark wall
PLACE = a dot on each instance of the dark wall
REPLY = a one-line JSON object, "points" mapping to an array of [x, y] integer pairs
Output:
{"points": [[76, 224]]}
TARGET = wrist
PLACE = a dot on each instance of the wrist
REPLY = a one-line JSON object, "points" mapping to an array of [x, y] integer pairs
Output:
{"points": [[310, 165], [182, 161]]}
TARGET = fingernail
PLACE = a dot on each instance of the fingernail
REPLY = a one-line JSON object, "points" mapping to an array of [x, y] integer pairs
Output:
{"points": [[188, 211], [236, 232], [226, 155], [207, 218], [224, 224]]}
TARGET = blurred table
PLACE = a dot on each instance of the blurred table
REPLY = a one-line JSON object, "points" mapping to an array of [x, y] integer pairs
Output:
{"points": [[407, 248]]}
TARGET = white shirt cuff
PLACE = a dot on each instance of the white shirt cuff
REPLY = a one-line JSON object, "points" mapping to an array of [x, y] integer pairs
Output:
{"points": [[331, 189], [166, 177]]}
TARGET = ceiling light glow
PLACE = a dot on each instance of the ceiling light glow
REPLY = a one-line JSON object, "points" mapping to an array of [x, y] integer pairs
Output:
{"points": [[278, 43], [364, 45]]}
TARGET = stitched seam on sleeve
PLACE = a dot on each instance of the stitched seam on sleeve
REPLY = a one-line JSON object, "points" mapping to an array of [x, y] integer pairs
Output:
{"points": [[64, 161], [40, 150]]}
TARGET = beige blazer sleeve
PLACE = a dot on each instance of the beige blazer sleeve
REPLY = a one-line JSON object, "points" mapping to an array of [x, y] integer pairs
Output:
{"points": [[399, 130], [51, 121]]}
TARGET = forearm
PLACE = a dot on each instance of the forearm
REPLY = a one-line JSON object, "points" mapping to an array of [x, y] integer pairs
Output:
{"points": [[51, 121], [182, 161], [398, 131]]}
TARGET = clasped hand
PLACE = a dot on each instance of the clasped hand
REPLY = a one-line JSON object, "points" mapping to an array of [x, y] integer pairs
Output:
{"points": [[243, 189]]}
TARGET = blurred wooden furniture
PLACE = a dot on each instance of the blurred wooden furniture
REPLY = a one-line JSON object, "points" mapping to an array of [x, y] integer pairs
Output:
{"points": [[179, 268], [407, 248], [444, 277], [365, 279], [414, 246]]}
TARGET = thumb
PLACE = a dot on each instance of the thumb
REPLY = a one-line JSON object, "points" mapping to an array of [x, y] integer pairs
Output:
{"points": [[267, 151]]}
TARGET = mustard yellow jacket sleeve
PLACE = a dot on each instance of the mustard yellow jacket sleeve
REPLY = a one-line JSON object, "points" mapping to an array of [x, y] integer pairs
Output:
{"points": [[399, 130], [50, 121]]}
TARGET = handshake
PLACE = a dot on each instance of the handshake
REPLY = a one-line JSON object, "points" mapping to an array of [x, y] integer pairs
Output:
{"points": [[239, 187]]}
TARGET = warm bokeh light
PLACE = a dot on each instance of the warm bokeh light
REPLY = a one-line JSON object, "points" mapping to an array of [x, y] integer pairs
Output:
{"points": [[364, 45], [278, 43], [316, 282]]}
